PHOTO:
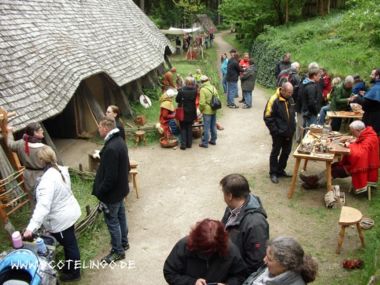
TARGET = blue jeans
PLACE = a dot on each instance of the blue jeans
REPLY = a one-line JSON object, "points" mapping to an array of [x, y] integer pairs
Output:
{"points": [[224, 83], [247, 95], [309, 120], [209, 126], [322, 114], [232, 92], [116, 221]]}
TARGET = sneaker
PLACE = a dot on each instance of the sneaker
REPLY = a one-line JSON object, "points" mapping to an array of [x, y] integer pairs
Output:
{"points": [[69, 277], [126, 246], [242, 101], [213, 143], [182, 147], [246, 107], [113, 256], [274, 179], [233, 106], [203, 145]]}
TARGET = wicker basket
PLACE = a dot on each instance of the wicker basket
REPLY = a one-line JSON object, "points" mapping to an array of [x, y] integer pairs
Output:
{"points": [[165, 143]]}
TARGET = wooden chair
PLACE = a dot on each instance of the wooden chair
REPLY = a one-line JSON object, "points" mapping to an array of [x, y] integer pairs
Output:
{"points": [[349, 216]]}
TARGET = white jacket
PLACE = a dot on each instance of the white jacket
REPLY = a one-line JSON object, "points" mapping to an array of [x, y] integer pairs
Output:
{"points": [[57, 209]]}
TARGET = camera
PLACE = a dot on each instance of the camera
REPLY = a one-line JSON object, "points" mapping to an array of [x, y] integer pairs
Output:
{"points": [[103, 208]]}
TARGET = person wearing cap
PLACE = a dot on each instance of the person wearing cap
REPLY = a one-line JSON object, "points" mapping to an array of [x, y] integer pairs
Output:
{"points": [[167, 110], [168, 80], [207, 90], [232, 77]]}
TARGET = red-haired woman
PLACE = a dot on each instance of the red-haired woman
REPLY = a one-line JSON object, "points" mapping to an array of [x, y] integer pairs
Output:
{"points": [[204, 257]]}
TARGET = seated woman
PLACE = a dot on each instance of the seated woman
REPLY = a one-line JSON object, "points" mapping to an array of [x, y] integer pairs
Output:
{"points": [[204, 257], [285, 264], [167, 111], [57, 210], [27, 149], [114, 112]]}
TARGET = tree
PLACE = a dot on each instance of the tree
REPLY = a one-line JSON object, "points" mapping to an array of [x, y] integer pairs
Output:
{"points": [[190, 8]]}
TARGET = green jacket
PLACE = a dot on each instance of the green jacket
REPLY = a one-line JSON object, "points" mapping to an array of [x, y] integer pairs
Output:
{"points": [[207, 90], [338, 97]]}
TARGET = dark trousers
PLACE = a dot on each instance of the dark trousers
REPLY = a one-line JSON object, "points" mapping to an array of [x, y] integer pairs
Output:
{"points": [[186, 134], [70, 247], [116, 221], [335, 124], [277, 161]]}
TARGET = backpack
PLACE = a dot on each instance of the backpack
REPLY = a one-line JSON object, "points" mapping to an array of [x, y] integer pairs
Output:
{"points": [[215, 102]]}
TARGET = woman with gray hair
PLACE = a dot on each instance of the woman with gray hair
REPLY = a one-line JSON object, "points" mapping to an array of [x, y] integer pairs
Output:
{"points": [[286, 264]]}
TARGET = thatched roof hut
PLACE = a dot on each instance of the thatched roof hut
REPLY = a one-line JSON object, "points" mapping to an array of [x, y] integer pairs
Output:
{"points": [[49, 48]]}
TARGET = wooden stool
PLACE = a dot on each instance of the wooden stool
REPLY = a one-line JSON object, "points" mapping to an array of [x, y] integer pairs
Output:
{"points": [[133, 175], [140, 137], [349, 216]]}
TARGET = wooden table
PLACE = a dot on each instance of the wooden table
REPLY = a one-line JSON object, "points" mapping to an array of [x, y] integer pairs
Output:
{"points": [[334, 151], [344, 115]]}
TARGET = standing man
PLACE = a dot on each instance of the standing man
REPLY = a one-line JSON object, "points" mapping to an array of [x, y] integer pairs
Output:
{"points": [[282, 65], [311, 95], [248, 79], [111, 186], [245, 220], [232, 77], [209, 115], [279, 117]]}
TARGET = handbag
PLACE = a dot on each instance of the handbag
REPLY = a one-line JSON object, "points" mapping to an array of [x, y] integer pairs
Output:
{"points": [[179, 114], [215, 103]]}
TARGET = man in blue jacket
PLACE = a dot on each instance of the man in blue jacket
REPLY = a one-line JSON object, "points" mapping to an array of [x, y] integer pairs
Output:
{"points": [[111, 187], [232, 77]]}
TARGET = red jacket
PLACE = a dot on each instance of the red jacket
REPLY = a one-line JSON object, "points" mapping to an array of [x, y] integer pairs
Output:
{"points": [[363, 161], [326, 86]]}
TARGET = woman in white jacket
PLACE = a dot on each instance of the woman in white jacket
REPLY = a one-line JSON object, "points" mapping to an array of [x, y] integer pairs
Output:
{"points": [[57, 210]]}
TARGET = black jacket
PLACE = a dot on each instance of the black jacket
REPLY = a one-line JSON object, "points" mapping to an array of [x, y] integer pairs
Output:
{"points": [[233, 70], [279, 115], [280, 66], [371, 116], [111, 180], [250, 232], [311, 96], [248, 79], [186, 99], [183, 267]]}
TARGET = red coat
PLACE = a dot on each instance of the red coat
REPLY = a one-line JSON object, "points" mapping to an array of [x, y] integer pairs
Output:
{"points": [[363, 161], [326, 86]]}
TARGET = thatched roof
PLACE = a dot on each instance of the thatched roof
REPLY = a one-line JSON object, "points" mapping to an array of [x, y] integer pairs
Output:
{"points": [[207, 23], [48, 46]]}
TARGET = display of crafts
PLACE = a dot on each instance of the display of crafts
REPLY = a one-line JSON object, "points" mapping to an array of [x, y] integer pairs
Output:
{"points": [[355, 107], [323, 143]]}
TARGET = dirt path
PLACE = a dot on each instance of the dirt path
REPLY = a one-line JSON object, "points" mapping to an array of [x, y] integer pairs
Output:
{"points": [[179, 188]]}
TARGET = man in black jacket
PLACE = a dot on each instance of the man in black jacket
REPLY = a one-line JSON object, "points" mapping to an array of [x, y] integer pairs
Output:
{"points": [[232, 77], [279, 117], [111, 186], [310, 94], [282, 65], [245, 220]]}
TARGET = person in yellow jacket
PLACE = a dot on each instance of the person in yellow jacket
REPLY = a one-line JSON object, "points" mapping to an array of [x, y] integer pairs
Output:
{"points": [[209, 115]]}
